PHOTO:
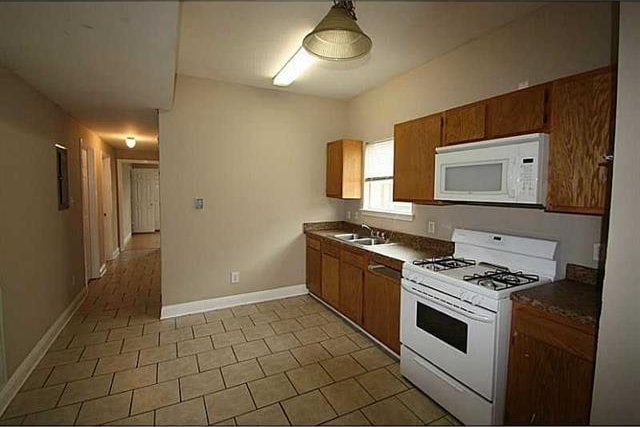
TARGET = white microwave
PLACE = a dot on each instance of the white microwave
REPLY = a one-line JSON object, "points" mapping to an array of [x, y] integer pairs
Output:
{"points": [[505, 170]]}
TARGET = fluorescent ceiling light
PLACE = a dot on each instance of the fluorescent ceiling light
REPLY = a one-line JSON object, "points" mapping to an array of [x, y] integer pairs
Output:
{"points": [[293, 68], [130, 141]]}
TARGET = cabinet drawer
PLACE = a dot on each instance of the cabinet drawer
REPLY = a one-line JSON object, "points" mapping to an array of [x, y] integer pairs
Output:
{"points": [[330, 248], [391, 263], [354, 258], [313, 243]]}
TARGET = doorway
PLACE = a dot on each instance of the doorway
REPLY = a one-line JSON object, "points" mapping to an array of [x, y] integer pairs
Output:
{"points": [[89, 214], [110, 249]]}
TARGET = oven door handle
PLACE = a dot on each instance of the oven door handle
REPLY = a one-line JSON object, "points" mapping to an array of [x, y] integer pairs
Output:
{"points": [[438, 301]]}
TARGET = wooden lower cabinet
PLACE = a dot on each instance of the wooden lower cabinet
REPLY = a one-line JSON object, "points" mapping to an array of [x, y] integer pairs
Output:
{"points": [[351, 288], [381, 312], [331, 279], [314, 269], [551, 365]]}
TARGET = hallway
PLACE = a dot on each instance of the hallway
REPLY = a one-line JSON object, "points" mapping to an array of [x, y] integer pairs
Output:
{"points": [[143, 241], [288, 361]]}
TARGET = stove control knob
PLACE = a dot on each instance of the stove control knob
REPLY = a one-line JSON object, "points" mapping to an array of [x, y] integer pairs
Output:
{"points": [[475, 300]]}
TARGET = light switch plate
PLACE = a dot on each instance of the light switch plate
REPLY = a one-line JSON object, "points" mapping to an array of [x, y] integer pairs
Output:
{"points": [[431, 227], [235, 277], [199, 203]]}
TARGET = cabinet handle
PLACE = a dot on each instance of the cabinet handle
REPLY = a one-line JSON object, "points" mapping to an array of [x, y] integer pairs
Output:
{"points": [[606, 160], [373, 267]]}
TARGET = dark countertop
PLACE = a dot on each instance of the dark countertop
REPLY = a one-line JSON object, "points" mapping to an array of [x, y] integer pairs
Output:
{"points": [[571, 297]]}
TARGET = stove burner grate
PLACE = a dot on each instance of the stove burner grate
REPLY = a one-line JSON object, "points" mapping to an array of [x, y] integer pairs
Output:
{"points": [[444, 263], [501, 279]]}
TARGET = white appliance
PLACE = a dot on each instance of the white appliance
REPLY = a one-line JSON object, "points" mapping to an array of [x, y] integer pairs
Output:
{"points": [[456, 315], [506, 170]]}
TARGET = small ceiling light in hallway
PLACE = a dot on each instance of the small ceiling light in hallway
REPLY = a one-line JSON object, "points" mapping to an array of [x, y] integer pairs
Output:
{"points": [[338, 37], [130, 141]]}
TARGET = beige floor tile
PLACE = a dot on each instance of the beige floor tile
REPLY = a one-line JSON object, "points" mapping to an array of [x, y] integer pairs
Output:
{"points": [[89, 339], [258, 332], [145, 419], [270, 390], [308, 409], [268, 416], [119, 362], [101, 350], [311, 353], [336, 329], [159, 326], [71, 372], [330, 316], [194, 346], [33, 401], [233, 323], [54, 358], [12, 421], [360, 340], [78, 328], [229, 403], [122, 333], [86, 389], [244, 310], [116, 322], [155, 396], [207, 329], [177, 368], [190, 413], [216, 358], [372, 358], [212, 316], [105, 409], [311, 320], [287, 325], [241, 372], [228, 339], [157, 354], [394, 368], [250, 350], [200, 384], [390, 412], [190, 320], [426, 409], [139, 343], [355, 418], [268, 306], [36, 379], [342, 367], [381, 383], [311, 335], [276, 363], [313, 308], [65, 415], [282, 342], [133, 378], [176, 335], [289, 313], [61, 343], [346, 396], [264, 317], [339, 346], [308, 378]]}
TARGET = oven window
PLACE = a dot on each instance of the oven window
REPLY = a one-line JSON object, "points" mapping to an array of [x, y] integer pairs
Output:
{"points": [[475, 178], [444, 327]]}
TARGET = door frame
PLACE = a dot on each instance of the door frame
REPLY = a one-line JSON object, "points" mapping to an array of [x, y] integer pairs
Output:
{"points": [[91, 241]]}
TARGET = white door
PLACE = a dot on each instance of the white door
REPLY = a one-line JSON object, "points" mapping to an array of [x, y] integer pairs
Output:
{"points": [[90, 224], [156, 198], [107, 208], [142, 200]]}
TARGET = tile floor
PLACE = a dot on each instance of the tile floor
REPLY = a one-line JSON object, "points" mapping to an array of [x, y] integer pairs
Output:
{"points": [[290, 361]]}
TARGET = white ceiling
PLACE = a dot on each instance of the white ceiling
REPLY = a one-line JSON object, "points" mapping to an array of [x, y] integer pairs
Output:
{"points": [[109, 64], [248, 42]]}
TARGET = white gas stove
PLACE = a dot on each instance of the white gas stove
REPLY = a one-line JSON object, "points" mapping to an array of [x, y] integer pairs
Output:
{"points": [[456, 316]]}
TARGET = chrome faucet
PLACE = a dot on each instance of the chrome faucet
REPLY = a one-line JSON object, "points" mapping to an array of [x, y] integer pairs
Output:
{"points": [[372, 233]]}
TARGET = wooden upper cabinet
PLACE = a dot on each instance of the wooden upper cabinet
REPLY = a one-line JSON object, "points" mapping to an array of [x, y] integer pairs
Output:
{"points": [[465, 124], [520, 112], [580, 137], [415, 145], [344, 169]]}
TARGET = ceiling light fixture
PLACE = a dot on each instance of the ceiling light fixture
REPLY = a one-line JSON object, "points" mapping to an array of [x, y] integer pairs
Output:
{"points": [[130, 141], [294, 67], [337, 37]]}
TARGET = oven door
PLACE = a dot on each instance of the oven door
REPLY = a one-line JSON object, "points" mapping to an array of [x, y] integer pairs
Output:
{"points": [[457, 337]]}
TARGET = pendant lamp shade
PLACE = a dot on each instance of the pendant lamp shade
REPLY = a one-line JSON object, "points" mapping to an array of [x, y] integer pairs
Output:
{"points": [[337, 37]]}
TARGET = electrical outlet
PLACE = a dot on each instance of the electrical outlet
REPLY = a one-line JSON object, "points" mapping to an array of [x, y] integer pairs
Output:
{"points": [[431, 227], [356, 214], [348, 214], [198, 203], [235, 277], [596, 251]]}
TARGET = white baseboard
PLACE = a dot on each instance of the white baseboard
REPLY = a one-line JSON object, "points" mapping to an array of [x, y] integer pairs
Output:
{"points": [[32, 360], [103, 269], [201, 306], [115, 253], [126, 240]]}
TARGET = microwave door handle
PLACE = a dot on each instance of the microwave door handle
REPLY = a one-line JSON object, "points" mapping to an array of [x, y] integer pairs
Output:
{"points": [[511, 192], [468, 314]]}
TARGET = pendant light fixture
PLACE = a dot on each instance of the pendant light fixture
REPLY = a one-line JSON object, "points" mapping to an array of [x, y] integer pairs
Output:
{"points": [[338, 37], [130, 141]]}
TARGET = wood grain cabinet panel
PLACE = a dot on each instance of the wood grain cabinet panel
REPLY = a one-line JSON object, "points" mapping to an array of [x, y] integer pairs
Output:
{"points": [[520, 112], [344, 169], [580, 137], [351, 290], [381, 306], [331, 279], [415, 145], [465, 124], [314, 267]]}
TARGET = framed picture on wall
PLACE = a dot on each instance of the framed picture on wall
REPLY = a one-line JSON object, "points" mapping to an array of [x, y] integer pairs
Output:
{"points": [[62, 169]]}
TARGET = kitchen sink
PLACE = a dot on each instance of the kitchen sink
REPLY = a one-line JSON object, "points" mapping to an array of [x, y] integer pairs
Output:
{"points": [[349, 237], [370, 241]]}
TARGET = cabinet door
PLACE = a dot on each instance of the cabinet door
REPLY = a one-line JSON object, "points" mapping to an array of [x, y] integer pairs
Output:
{"points": [[351, 284], [314, 271], [381, 312], [334, 169], [331, 280], [464, 124], [580, 137], [518, 112], [415, 145]]}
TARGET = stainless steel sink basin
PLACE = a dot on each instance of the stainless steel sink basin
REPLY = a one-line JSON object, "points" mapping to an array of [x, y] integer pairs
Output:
{"points": [[369, 241], [349, 237]]}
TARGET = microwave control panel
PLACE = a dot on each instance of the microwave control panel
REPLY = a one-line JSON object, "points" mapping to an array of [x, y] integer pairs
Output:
{"points": [[528, 177]]}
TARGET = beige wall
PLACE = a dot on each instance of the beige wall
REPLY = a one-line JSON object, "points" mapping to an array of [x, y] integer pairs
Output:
{"points": [[617, 378], [554, 41], [41, 267], [137, 154], [258, 159]]}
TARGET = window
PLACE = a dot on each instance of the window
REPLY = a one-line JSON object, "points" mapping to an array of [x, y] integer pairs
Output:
{"points": [[378, 180]]}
